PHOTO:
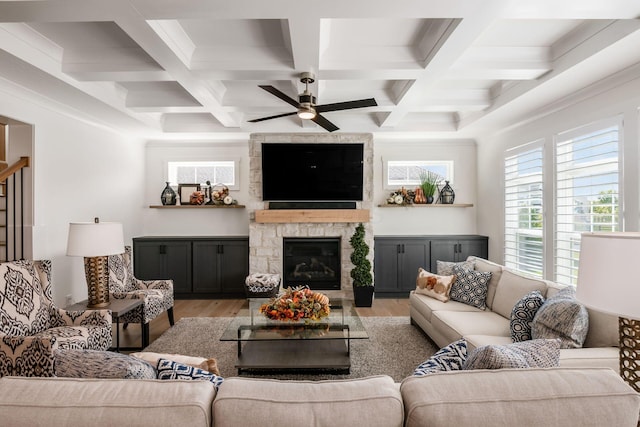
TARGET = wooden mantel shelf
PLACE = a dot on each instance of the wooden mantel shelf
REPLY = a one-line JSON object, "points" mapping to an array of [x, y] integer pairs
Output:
{"points": [[312, 215]]}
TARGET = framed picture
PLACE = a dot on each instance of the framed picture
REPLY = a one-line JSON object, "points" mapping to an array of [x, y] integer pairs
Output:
{"points": [[184, 192]]}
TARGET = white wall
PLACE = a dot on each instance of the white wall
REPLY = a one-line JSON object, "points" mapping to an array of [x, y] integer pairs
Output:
{"points": [[620, 98], [413, 220], [194, 222], [79, 171]]}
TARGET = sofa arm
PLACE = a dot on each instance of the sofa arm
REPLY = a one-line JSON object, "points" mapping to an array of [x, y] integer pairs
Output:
{"points": [[27, 356], [164, 285], [97, 318]]}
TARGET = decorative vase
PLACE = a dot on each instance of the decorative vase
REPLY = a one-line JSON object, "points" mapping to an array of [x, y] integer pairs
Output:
{"points": [[168, 196], [447, 195], [363, 296], [429, 200]]}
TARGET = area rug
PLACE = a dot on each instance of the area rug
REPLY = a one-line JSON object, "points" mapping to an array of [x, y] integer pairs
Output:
{"points": [[394, 348]]}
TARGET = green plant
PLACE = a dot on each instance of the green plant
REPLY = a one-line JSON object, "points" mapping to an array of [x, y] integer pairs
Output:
{"points": [[361, 272], [429, 182]]}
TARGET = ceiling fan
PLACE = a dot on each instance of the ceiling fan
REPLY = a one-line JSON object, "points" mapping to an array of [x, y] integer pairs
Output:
{"points": [[306, 104]]}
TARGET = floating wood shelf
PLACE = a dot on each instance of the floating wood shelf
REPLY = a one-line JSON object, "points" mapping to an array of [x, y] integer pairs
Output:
{"points": [[432, 205], [312, 215], [197, 206]]}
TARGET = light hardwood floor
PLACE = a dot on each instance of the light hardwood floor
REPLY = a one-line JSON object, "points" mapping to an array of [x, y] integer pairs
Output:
{"points": [[130, 337]]}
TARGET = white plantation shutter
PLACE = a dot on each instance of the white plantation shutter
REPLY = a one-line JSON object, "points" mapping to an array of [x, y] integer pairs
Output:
{"points": [[523, 178], [587, 184]]}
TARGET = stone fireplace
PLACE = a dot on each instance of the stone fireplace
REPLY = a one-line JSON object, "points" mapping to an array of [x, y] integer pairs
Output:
{"points": [[312, 261], [266, 237]]}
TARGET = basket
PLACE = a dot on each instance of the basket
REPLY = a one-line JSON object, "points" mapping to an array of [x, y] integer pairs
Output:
{"points": [[262, 285]]}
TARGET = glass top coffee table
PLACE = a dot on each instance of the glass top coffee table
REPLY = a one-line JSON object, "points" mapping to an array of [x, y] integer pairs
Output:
{"points": [[271, 345]]}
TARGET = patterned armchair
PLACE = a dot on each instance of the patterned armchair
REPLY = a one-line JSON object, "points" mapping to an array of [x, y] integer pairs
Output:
{"points": [[157, 294], [32, 328]]}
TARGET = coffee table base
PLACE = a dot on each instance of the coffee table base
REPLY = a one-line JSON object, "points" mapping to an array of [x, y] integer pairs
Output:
{"points": [[295, 356]]}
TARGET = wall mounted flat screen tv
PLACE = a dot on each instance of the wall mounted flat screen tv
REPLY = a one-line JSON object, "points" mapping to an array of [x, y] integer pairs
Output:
{"points": [[312, 172]]}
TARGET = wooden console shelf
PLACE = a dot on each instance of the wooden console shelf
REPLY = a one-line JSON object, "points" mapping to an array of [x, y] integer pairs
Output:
{"points": [[197, 206], [432, 205], [312, 215]]}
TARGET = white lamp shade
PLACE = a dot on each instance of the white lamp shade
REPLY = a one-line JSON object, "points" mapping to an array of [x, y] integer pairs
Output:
{"points": [[606, 275], [92, 239]]}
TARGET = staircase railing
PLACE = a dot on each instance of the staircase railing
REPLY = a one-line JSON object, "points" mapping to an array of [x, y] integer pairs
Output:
{"points": [[12, 186]]}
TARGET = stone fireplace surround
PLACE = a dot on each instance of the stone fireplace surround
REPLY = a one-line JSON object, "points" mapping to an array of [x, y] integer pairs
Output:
{"points": [[266, 239]]}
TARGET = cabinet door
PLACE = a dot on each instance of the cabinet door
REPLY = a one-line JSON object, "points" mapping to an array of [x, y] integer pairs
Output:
{"points": [[177, 261], [205, 266], [385, 265], [443, 250], [147, 260], [415, 255], [234, 265], [476, 247]]}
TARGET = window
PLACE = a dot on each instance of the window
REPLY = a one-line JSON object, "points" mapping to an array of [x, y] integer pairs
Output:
{"points": [[217, 172], [587, 183], [406, 173], [524, 225]]}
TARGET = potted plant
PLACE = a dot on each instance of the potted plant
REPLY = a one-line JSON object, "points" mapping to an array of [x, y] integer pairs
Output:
{"points": [[429, 183], [361, 272]]}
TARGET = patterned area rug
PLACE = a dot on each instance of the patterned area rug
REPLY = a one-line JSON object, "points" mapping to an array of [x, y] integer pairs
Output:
{"points": [[395, 347]]}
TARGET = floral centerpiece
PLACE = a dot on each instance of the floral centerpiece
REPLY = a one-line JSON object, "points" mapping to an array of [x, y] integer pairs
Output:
{"points": [[297, 304]]}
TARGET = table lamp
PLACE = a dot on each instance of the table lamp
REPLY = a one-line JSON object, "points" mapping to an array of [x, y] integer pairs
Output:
{"points": [[606, 283], [95, 241]]}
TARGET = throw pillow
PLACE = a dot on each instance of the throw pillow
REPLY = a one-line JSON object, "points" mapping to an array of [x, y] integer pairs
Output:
{"points": [[433, 285], [210, 365], [563, 317], [526, 354], [100, 364], [470, 287], [445, 268], [449, 358], [170, 370], [522, 315]]}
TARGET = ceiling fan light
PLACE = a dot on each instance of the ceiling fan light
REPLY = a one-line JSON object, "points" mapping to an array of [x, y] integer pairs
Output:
{"points": [[306, 113]]}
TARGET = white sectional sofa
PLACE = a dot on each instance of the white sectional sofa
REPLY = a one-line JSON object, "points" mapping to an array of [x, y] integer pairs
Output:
{"points": [[450, 321]]}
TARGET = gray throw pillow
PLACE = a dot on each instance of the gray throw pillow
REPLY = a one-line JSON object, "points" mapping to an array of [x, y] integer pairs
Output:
{"points": [[449, 358], [101, 364], [526, 354], [470, 287], [445, 268], [563, 317], [522, 315]]}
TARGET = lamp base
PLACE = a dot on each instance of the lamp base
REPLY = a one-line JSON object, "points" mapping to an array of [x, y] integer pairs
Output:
{"points": [[630, 351], [97, 274]]}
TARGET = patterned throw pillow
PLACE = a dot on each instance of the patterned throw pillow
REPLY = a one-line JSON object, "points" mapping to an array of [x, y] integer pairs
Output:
{"points": [[433, 285], [170, 370], [522, 315], [445, 268], [564, 317], [449, 358], [526, 354], [470, 287], [100, 364]]}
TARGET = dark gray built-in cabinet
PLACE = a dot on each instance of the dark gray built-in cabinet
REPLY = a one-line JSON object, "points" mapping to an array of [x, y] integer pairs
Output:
{"points": [[397, 258], [200, 267]]}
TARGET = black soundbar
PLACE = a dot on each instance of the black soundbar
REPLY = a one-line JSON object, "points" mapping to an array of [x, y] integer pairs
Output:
{"points": [[312, 205]]}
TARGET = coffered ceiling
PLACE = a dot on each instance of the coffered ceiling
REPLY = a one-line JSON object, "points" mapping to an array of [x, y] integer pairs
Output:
{"points": [[191, 69]]}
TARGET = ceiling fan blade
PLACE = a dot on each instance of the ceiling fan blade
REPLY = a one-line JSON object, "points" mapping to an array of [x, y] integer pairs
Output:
{"points": [[348, 105], [272, 117], [325, 123], [276, 92]]}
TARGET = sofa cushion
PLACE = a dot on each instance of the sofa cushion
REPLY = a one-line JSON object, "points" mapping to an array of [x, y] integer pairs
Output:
{"points": [[101, 364], [427, 305], [522, 315], [470, 287], [489, 267], [490, 398], [564, 317], [106, 402], [526, 354], [448, 358], [478, 340], [598, 357], [457, 324], [445, 268], [603, 330], [373, 401], [433, 285], [170, 370], [511, 288]]}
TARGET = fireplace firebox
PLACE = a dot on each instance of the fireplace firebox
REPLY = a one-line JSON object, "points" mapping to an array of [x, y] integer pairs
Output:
{"points": [[314, 262]]}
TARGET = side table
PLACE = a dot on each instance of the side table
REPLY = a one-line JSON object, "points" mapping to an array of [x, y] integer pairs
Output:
{"points": [[118, 308]]}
